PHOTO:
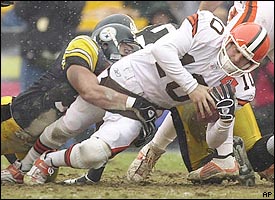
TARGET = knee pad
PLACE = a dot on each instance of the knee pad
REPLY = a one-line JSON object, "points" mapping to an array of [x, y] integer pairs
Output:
{"points": [[258, 155], [91, 153], [56, 134]]}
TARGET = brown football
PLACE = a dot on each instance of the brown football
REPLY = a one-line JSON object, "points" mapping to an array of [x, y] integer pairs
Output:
{"points": [[209, 118]]}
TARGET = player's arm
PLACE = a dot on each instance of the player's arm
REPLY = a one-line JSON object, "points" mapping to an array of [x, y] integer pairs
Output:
{"points": [[226, 102], [80, 63], [88, 87], [86, 84]]}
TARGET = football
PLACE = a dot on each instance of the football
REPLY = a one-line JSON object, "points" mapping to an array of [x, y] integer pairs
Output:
{"points": [[209, 118]]}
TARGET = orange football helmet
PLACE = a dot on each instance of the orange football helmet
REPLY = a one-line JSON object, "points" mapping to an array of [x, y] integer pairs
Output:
{"points": [[252, 40]]}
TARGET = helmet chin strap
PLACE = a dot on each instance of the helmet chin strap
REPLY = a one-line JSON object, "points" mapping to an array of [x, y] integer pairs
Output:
{"points": [[114, 57], [113, 38]]}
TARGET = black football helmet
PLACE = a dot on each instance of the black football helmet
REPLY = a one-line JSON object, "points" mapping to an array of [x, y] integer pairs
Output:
{"points": [[110, 38], [118, 19]]}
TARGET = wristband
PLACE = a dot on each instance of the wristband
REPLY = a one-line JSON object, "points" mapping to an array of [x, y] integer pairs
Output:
{"points": [[130, 102], [224, 125]]}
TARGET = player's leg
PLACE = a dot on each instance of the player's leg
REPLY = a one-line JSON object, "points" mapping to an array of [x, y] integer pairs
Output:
{"points": [[147, 157], [258, 147], [191, 134], [246, 172], [11, 143], [93, 176], [252, 146], [156, 148], [223, 165], [111, 138], [188, 128], [78, 117]]}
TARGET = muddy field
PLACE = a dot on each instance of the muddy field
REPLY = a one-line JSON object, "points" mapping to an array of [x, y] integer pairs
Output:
{"points": [[167, 182]]}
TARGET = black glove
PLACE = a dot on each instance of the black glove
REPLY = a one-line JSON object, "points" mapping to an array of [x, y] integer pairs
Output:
{"points": [[224, 96], [145, 110], [146, 113], [143, 137]]}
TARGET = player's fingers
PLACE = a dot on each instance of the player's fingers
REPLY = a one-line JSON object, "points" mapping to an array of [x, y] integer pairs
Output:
{"points": [[200, 109], [206, 107], [210, 100]]}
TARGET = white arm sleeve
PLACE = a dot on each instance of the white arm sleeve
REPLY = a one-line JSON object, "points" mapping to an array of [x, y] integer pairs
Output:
{"points": [[169, 49]]}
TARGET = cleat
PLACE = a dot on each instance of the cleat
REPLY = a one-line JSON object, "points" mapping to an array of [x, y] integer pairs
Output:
{"points": [[247, 175], [268, 174], [82, 180], [92, 177], [40, 171], [216, 171], [13, 173], [213, 181], [143, 165]]}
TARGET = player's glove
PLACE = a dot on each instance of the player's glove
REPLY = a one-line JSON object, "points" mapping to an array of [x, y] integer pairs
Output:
{"points": [[143, 137], [145, 112], [224, 96]]}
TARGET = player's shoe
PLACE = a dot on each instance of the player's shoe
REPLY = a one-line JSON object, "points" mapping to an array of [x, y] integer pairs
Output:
{"points": [[247, 175], [215, 171], [40, 171], [268, 174], [82, 180], [13, 173], [92, 177], [143, 164]]}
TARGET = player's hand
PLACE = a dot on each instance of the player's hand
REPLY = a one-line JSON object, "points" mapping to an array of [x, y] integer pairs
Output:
{"points": [[201, 97], [224, 96], [145, 112]]}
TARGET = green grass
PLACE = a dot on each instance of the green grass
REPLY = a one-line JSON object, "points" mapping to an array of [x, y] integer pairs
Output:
{"points": [[167, 182]]}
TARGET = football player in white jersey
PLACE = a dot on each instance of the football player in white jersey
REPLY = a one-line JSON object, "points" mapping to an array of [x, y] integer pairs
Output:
{"points": [[147, 35], [162, 74], [245, 118], [195, 151]]}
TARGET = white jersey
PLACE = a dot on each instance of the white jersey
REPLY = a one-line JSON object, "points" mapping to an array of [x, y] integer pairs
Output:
{"points": [[261, 12], [164, 74]]}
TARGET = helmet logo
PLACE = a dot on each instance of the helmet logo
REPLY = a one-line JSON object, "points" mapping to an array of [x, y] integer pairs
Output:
{"points": [[107, 34], [133, 27]]}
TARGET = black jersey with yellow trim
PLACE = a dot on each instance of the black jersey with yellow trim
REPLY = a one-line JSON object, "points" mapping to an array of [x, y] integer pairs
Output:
{"points": [[53, 86], [82, 50]]}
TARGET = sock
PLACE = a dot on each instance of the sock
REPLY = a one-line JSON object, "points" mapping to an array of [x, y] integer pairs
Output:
{"points": [[165, 134], [29, 159]]}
